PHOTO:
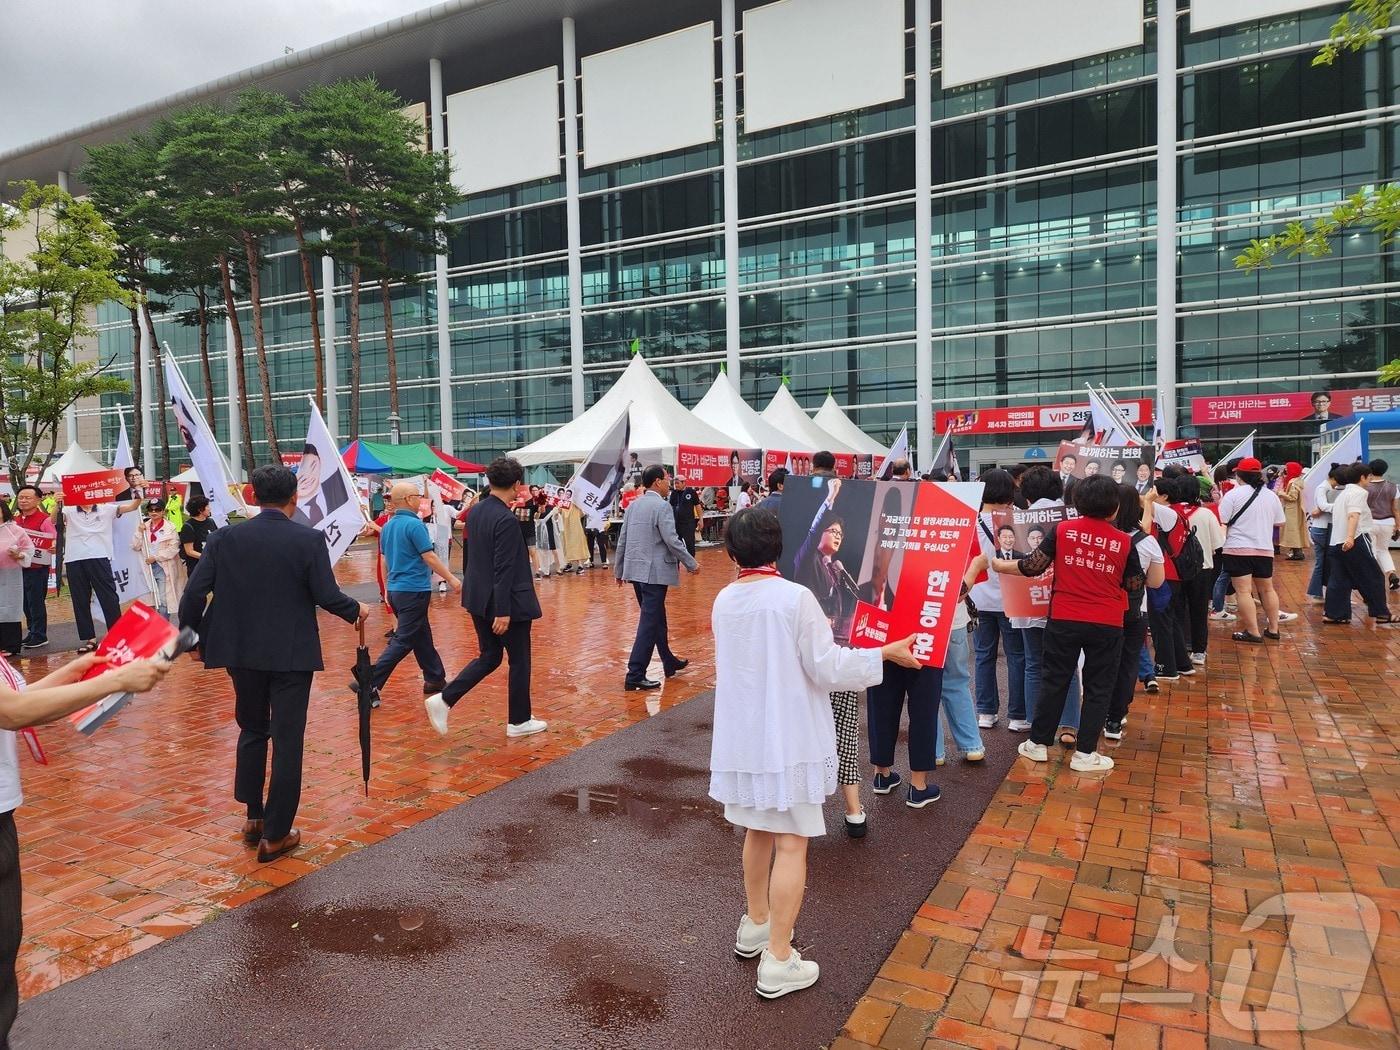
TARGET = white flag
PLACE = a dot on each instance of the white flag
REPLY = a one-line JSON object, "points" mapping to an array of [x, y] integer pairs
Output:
{"points": [[326, 497], [1111, 427], [598, 479], [215, 477], [1244, 450], [130, 572], [1159, 435], [899, 450], [1346, 449]]}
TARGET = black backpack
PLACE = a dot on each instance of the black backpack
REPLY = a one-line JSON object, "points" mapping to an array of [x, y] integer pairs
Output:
{"points": [[1191, 559]]}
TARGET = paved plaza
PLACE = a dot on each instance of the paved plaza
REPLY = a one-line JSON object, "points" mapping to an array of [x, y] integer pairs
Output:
{"points": [[1073, 911]]}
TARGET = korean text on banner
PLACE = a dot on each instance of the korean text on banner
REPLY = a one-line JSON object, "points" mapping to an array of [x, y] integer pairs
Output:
{"points": [[139, 634], [1078, 460], [325, 491], [598, 479], [86, 490], [210, 467], [1186, 453], [1030, 418], [452, 490], [1018, 534], [719, 466]]}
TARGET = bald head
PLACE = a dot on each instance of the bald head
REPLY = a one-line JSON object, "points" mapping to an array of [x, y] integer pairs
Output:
{"points": [[404, 493]]}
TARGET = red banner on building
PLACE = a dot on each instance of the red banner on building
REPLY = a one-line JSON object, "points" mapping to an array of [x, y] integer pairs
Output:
{"points": [[720, 467], [100, 486], [1317, 406], [1030, 418]]}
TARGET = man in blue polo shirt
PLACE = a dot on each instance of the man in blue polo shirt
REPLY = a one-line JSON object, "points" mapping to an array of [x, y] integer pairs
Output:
{"points": [[409, 564]]}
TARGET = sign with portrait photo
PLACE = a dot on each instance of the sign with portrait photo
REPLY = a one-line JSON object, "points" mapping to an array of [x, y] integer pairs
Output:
{"points": [[1020, 533], [1119, 462]]}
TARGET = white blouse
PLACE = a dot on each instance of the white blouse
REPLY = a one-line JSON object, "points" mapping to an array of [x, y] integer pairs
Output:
{"points": [[774, 742]]}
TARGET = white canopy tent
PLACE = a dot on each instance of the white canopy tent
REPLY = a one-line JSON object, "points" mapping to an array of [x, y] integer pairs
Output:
{"points": [[786, 414], [725, 409], [75, 461], [658, 423], [835, 422]]}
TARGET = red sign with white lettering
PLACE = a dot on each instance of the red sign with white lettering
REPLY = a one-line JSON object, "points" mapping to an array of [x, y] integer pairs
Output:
{"points": [[1030, 418], [1316, 406], [100, 486]]}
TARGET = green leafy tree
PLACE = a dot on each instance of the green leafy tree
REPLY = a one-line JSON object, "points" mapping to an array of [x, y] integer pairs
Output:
{"points": [[48, 294], [1377, 209]]}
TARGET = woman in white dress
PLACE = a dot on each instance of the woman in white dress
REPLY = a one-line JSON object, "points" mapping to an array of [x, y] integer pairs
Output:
{"points": [[773, 756]]}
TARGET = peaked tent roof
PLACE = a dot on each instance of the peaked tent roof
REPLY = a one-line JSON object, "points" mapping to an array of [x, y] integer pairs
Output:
{"points": [[659, 422], [375, 457], [831, 419], [724, 408], [76, 460], [786, 414]]}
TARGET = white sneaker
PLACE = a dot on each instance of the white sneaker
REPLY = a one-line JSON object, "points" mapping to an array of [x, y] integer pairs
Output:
{"points": [[1198, 658], [437, 710], [1030, 749], [1090, 763], [976, 755], [778, 977], [442, 587], [1019, 725], [1223, 614], [986, 721], [533, 725], [751, 939], [1286, 617]]}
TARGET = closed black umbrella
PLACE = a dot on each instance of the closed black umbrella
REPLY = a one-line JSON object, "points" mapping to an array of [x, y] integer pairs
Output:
{"points": [[364, 699]]}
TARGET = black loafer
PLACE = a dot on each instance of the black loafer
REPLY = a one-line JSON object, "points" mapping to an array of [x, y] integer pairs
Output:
{"points": [[681, 665], [645, 683]]}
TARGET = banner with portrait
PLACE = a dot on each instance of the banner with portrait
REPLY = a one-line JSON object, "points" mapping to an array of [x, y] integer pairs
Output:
{"points": [[1119, 462], [326, 497], [719, 467], [1020, 533], [1185, 453]]}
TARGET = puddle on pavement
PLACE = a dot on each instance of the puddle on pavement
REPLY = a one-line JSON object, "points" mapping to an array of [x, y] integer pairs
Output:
{"points": [[403, 932], [609, 990], [655, 813], [661, 770]]}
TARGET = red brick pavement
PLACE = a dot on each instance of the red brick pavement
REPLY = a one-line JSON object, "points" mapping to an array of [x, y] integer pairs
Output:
{"points": [[132, 836], [1274, 772]]}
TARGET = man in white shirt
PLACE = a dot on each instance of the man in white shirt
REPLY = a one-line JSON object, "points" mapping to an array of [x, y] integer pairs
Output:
{"points": [[87, 559], [1350, 560]]}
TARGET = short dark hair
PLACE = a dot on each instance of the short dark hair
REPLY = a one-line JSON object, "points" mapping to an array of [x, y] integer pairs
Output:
{"points": [[1097, 497], [652, 475], [998, 486], [1253, 478], [1016, 470], [1041, 482], [6, 513], [504, 473], [754, 537], [273, 485], [776, 479], [1352, 473], [823, 461], [1379, 468], [900, 467], [1185, 489], [1129, 509], [1172, 471], [1034, 529], [1006, 528], [196, 506], [743, 486], [32, 488], [1321, 393], [128, 471]]}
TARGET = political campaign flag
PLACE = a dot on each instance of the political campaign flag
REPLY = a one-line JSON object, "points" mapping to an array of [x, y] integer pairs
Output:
{"points": [[899, 450], [206, 457], [1346, 449], [945, 460], [598, 479], [1244, 450], [130, 572], [325, 491], [1108, 422]]}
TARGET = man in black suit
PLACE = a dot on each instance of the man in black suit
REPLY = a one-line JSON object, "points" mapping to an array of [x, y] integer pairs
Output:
{"points": [[268, 575], [315, 501], [498, 590]]}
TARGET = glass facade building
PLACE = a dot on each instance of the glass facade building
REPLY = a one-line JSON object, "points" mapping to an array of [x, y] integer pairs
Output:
{"points": [[1043, 243]]}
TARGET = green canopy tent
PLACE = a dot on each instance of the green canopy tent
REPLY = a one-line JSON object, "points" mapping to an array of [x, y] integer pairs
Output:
{"points": [[373, 457]]}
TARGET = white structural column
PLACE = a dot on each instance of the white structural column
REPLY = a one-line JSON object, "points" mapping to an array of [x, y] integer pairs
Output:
{"points": [[235, 447], [729, 94], [148, 434], [444, 312], [70, 414], [328, 339], [1166, 216], [571, 218], [923, 234]]}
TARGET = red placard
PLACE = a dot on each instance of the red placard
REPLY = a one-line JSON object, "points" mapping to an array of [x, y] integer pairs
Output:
{"points": [[848, 464], [719, 466], [100, 486], [1020, 595], [1031, 418], [452, 490], [1296, 407], [141, 633]]}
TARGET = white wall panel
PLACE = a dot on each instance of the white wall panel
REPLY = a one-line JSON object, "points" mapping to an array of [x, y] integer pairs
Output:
{"points": [[805, 59], [984, 39], [651, 97], [1213, 14], [506, 132]]}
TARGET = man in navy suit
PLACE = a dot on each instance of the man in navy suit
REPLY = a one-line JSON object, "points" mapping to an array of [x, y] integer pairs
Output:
{"points": [[268, 575], [498, 590]]}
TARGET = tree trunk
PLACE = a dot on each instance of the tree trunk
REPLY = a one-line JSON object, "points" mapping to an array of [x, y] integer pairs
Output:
{"points": [[308, 278], [390, 358], [354, 327], [136, 378], [236, 330], [250, 250], [157, 362], [206, 373]]}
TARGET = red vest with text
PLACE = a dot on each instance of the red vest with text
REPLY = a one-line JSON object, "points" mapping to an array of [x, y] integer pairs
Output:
{"points": [[1090, 557]]}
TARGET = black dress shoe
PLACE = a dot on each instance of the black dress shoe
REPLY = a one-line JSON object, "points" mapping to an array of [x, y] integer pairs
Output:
{"points": [[645, 683], [681, 665]]}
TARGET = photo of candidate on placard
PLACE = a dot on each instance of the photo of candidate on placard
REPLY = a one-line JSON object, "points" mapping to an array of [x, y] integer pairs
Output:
{"points": [[1022, 532], [1076, 460]]}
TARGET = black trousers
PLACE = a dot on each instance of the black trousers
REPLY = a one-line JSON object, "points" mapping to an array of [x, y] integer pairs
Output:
{"points": [[88, 577], [1064, 640], [270, 705], [1356, 568], [11, 924], [11, 636], [598, 539], [1134, 638], [1197, 598], [515, 644], [1169, 633], [651, 631], [883, 704], [36, 612], [685, 528], [413, 634]]}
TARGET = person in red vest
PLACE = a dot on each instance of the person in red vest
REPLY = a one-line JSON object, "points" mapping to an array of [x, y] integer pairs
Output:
{"points": [[1095, 567]]}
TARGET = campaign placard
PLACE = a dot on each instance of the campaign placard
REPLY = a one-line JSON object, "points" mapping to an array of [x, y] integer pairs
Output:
{"points": [[727, 467], [1186, 453], [140, 633], [452, 490], [86, 490], [885, 559], [1074, 460], [1020, 533]]}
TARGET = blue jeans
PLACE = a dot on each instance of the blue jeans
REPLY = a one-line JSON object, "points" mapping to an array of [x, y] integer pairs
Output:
{"points": [[992, 626], [957, 699], [1217, 594], [1146, 669], [158, 598], [1035, 640], [1318, 580]]}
